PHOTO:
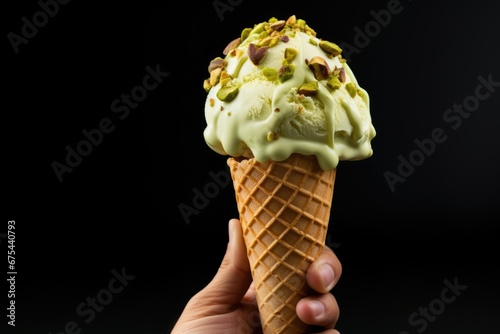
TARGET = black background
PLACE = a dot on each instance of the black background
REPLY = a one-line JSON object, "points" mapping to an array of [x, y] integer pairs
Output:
{"points": [[119, 208]]}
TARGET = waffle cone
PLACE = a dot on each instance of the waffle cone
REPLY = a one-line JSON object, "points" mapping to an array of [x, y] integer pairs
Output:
{"points": [[284, 210]]}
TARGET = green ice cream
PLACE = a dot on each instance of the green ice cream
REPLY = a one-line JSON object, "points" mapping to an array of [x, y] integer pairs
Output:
{"points": [[279, 90]]}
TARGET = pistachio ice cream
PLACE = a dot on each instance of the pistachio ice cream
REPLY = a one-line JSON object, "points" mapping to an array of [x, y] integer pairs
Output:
{"points": [[279, 89]]}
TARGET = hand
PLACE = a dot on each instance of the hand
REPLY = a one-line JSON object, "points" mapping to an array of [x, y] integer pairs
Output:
{"points": [[227, 304]]}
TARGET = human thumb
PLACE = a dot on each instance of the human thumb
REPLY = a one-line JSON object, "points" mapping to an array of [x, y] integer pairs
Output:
{"points": [[233, 277]]}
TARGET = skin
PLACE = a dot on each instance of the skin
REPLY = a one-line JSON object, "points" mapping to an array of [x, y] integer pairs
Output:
{"points": [[227, 304]]}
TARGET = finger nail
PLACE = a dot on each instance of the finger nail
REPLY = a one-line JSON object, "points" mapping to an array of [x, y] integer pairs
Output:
{"points": [[231, 231], [317, 308], [327, 275]]}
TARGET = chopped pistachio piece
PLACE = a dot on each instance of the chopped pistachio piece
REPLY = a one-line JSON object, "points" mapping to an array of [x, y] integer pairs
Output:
{"points": [[268, 29], [236, 53], [217, 62], [308, 89], [265, 42], [212, 102], [277, 25], [275, 33], [291, 20], [342, 75], [301, 23], [232, 45], [258, 28], [227, 93], [285, 72], [290, 54], [351, 89], [271, 74], [256, 53], [330, 48], [333, 83], [310, 31], [274, 41], [214, 76], [245, 33], [320, 68], [224, 78], [313, 41], [207, 85]]}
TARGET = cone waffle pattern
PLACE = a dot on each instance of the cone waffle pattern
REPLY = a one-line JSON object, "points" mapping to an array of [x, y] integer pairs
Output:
{"points": [[284, 210]]}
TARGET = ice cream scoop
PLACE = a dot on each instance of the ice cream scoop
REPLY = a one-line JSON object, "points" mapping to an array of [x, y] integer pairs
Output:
{"points": [[280, 89]]}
